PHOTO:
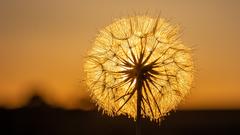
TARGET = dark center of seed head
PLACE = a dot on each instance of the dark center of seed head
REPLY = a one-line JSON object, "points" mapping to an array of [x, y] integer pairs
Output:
{"points": [[141, 70]]}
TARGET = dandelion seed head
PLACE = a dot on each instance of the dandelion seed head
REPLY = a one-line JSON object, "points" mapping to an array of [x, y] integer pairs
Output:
{"points": [[139, 46]]}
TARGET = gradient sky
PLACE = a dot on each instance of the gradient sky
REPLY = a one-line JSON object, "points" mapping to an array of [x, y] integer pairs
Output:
{"points": [[43, 44]]}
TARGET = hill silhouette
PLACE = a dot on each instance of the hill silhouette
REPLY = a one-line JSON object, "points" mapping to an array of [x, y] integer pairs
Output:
{"points": [[38, 118]]}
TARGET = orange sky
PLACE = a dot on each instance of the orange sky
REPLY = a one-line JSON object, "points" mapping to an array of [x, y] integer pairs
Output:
{"points": [[43, 44]]}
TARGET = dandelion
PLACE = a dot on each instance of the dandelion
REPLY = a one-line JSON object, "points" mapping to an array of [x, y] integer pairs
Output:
{"points": [[139, 67]]}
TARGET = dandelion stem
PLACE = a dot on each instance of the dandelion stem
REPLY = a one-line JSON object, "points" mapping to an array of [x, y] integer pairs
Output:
{"points": [[139, 99]]}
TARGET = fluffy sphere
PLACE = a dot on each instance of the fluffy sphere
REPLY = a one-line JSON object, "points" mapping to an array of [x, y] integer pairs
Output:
{"points": [[139, 47]]}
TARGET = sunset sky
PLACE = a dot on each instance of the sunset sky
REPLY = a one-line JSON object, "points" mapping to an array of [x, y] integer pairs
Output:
{"points": [[43, 45]]}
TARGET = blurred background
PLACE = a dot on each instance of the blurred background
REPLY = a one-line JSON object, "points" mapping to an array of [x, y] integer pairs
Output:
{"points": [[42, 49]]}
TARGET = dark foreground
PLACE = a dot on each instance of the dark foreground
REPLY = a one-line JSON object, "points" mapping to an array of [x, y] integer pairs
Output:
{"points": [[42, 119]]}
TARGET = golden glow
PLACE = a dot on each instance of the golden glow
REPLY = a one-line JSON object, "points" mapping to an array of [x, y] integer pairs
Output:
{"points": [[152, 43]]}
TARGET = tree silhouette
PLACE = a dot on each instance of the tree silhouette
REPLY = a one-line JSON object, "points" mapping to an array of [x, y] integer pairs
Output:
{"points": [[139, 67]]}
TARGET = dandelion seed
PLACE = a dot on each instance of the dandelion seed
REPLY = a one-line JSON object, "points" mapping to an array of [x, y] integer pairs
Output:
{"points": [[138, 65]]}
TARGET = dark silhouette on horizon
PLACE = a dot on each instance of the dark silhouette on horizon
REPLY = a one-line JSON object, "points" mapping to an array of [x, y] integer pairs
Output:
{"points": [[39, 118]]}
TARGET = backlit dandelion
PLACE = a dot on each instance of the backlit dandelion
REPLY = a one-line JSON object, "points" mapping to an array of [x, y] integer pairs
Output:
{"points": [[139, 67]]}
